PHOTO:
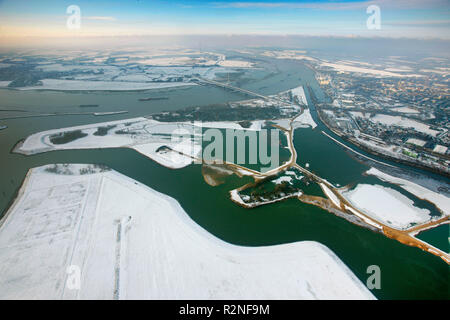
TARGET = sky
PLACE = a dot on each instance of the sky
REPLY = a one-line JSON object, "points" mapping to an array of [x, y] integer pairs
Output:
{"points": [[21, 19]]}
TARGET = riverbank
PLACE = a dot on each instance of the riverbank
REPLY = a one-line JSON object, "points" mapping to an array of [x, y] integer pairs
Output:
{"points": [[123, 254], [382, 154]]}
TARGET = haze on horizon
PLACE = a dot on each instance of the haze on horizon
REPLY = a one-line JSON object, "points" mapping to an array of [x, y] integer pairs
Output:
{"points": [[47, 19]]}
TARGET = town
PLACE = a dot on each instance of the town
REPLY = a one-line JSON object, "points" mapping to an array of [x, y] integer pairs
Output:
{"points": [[405, 119]]}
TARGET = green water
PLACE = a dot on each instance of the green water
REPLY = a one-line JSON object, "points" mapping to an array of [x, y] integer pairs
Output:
{"points": [[438, 237], [234, 143], [406, 272]]}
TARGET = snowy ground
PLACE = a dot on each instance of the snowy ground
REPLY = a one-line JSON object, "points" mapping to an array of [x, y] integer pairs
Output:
{"points": [[86, 85], [439, 200], [127, 70], [330, 195], [344, 67], [144, 135], [235, 64], [4, 83], [289, 54], [304, 120], [404, 122], [123, 240], [299, 94], [405, 110], [386, 205]]}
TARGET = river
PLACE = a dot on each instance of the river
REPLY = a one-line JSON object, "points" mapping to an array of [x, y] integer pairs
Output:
{"points": [[406, 272]]}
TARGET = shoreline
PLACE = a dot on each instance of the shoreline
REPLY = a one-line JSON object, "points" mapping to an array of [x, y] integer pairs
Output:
{"points": [[381, 155], [15, 199], [101, 218]]}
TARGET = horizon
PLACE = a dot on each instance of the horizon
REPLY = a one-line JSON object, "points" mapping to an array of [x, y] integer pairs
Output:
{"points": [[49, 20]]}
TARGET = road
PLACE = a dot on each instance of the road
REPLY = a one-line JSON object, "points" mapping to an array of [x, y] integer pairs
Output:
{"points": [[248, 92]]}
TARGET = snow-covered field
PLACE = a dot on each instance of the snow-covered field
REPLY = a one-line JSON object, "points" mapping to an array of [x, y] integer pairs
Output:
{"points": [[416, 142], [129, 70], [177, 61], [304, 120], [284, 123], [440, 149], [166, 72], [356, 114], [235, 64], [405, 123], [439, 200], [141, 134], [289, 54], [86, 85], [147, 136], [83, 232], [299, 94], [405, 110], [356, 69], [74, 67], [386, 205]]}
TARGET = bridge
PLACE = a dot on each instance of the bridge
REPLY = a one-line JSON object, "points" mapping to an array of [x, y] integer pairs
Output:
{"points": [[248, 92]]}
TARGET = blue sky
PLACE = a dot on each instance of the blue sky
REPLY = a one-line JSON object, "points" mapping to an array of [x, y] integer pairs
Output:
{"points": [[399, 18]]}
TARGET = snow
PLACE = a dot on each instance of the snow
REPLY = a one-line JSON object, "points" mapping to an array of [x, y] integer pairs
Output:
{"points": [[235, 64], [141, 134], [282, 179], [133, 77], [348, 68], [440, 149], [357, 114], [386, 205], [82, 85], [256, 125], [399, 69], [178, 61], [404, 122], [169, 159], [284, 123], [439, 200], [405, 110], [299, 93], [416, 142], [305, 119], [363, 218], [131, 242], [164, 73], [441, 72], [144, 136], [234, 194], [72, 67], [292, 173], [289, 54], [330, 195]]}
